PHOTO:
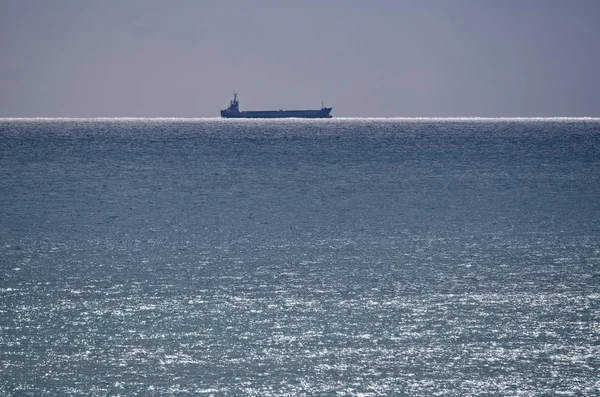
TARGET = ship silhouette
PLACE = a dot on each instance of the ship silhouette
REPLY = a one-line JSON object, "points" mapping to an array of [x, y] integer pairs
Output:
{"points": [[233, 111]]}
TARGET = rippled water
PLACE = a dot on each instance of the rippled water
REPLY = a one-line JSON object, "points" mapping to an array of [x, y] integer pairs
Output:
{"points": [[299, 258]]}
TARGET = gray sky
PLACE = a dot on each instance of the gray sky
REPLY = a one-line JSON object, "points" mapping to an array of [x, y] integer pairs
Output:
{"points": [[151, 58]]}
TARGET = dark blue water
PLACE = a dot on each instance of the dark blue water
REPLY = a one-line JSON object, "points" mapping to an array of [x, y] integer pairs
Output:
{"points": [[299, 258]]}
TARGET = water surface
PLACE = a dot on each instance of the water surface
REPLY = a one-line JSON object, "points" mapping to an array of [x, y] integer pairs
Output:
{"points": [[348, 257]]}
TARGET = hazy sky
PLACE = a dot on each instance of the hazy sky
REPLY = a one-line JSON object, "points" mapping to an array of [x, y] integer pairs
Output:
{"points": [[151, 58]]}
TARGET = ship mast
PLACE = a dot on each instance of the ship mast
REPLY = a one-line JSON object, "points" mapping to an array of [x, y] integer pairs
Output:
{"points": [[234, 104]]}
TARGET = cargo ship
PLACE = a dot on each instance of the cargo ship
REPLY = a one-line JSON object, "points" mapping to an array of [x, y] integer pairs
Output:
{"points": [[233, 111]]}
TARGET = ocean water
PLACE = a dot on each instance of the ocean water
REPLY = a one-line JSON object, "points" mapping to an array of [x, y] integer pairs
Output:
{"points": [[342, 257]]}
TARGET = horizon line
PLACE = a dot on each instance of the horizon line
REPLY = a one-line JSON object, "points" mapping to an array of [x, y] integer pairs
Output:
{"points": [[342, 118]]}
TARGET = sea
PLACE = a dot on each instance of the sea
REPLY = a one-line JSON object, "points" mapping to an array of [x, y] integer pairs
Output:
{"points": [[340, 257]]}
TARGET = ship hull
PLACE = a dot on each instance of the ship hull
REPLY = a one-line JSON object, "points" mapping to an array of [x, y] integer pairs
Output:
{"points": [[278, 114]]}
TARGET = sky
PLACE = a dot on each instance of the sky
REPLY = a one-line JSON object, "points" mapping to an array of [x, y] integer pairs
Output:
{"points": [[379, 58]]}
